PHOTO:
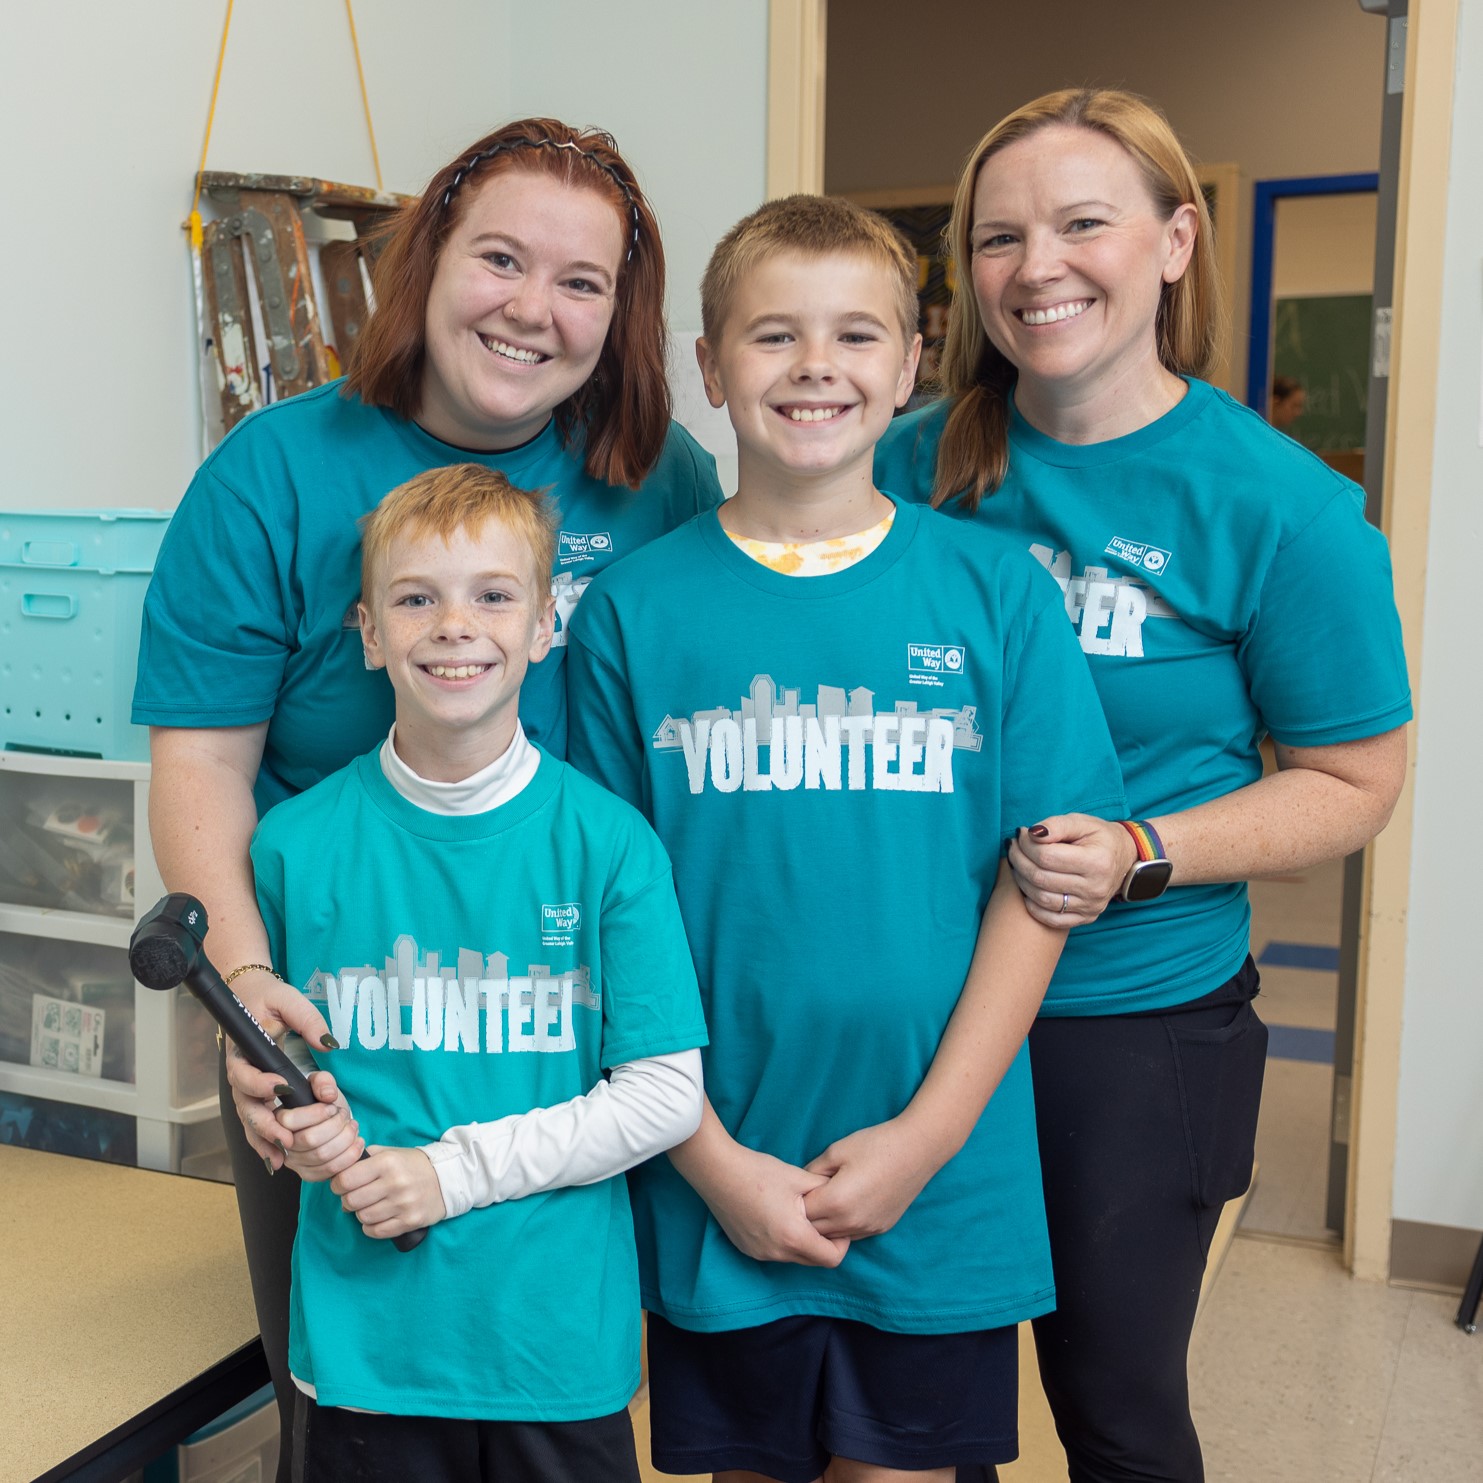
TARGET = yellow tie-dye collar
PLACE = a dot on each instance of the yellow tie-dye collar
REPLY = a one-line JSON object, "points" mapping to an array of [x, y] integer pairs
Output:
{"points": [[815, 558]]}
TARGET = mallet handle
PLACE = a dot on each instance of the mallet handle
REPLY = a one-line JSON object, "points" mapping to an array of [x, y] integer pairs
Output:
{"points": [[262, 1051], [168, 949]]}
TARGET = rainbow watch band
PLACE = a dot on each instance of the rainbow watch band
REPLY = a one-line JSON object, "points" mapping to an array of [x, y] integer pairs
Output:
{"points": [[1145, 839]]}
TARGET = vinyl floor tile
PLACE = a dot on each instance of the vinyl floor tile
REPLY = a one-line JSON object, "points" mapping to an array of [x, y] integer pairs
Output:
{"points": [[1433, 1428], [1293, 1366], [1292, 1150], [1294, 996], [1291, 1194]]}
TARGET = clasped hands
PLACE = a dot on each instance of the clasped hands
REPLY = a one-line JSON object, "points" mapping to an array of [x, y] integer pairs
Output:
{"points": [[858, 1187], [773, 1211]]}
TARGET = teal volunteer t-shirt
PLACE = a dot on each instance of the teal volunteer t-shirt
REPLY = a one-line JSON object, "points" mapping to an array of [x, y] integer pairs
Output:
{"points": [[250, 615], [473, 967], [1223, 584], [834, 765]]}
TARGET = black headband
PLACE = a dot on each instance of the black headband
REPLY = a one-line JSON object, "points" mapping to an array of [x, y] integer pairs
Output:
{"points": [[508, 144]]}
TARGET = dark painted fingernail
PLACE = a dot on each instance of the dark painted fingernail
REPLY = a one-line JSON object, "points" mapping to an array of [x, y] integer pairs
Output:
{"points": [[281, 1148], [329, 1042], [268, 1165], [282, 1091], [1040, 831]]}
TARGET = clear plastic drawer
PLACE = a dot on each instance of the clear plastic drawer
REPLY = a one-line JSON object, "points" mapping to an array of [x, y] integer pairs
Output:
{"points": [[67, 843], [66, 1006]]}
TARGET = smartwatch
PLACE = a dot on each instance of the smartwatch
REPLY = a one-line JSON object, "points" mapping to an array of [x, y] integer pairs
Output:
{"points": [[1151, 871]]}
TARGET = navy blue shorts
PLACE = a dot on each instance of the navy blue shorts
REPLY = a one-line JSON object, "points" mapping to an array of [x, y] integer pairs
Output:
{"points": [[783, 1398]]}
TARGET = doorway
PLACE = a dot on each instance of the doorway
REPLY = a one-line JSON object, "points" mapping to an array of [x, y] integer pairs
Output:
{"points": [[1312, 288], [1313, 282]]}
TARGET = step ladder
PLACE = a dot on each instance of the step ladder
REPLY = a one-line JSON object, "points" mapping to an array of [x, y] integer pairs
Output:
{"points": [[255, 256]]}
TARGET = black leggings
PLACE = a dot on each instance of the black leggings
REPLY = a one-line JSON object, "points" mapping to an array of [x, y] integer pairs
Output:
{"points": [[1147, 1127], [269, 1209]]}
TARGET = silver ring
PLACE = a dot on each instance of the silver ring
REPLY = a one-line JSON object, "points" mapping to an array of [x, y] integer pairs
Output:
{"points": [[1065, 901]]}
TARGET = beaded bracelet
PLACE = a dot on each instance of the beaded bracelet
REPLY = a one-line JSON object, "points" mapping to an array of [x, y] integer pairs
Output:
{"points": [[252, 968]]}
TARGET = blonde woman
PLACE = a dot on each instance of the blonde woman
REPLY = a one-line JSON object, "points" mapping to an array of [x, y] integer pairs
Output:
{"points": [[1224, 586]]}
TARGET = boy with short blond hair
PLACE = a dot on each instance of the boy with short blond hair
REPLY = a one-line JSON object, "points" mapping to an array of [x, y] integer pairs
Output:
{"points": [[836, 709], [495, 945], [809, 226]]}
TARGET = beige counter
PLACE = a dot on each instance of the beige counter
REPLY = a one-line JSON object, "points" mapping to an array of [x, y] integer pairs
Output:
{"points": [[120, 1286]]}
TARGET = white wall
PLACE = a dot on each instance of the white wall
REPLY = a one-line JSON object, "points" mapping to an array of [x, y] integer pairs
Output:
{"points": [[1439, 1148], [102, 108], [683, 88]]}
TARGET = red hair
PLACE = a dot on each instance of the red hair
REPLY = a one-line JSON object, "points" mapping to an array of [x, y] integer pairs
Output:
{"points": [[442, 502], [622, 412]]}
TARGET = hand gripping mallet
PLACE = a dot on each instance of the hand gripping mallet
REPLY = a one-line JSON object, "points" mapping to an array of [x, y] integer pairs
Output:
{"points": [[167, 950]]}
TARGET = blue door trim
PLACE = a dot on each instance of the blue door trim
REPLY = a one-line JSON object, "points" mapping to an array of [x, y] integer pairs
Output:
{"points": [[1263, 234]]}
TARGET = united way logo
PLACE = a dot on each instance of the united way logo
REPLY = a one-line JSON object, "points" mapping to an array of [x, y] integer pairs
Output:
{"points": [[935, 659], [560, 921], [573, 546], [1152, 559]]}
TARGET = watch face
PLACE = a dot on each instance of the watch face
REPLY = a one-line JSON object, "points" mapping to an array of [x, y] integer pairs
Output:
{"points": [[1147, 880]]}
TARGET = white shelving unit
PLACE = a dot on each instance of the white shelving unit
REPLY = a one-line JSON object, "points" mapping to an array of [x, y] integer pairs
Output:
{"points": [[173, 1088]]}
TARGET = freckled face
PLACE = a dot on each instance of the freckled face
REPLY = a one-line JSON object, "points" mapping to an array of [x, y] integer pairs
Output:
{"points": [[1070, 257], [519, 309], [455, 625]]}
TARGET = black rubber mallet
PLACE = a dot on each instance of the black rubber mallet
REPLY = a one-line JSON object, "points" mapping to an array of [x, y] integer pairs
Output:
{"points": [[167, 949]]}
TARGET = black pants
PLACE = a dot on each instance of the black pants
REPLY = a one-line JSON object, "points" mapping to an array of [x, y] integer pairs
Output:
{"points": [[269, 1210], [337, 1446], [1147, 1127]]}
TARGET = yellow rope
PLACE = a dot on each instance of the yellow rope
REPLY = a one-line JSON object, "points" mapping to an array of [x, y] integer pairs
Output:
{"points": [[364, 97], [193, 222]]}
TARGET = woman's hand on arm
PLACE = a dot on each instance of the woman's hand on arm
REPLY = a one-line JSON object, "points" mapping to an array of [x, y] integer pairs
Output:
{"points": [[877, 1172], [756, 1199], [201, 817], [1070, 866]]}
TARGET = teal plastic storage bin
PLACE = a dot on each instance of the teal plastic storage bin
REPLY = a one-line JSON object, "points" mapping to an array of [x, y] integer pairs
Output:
{"points": [[238, 1447], [72, 586]]}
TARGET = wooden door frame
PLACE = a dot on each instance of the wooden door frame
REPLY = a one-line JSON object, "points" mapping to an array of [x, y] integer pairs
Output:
{"points": [[1411, 414], [796, 34]]}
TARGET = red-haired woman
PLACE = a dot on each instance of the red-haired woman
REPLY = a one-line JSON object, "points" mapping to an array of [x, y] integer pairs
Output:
{"points": [[519, 324], [1224, 586]]}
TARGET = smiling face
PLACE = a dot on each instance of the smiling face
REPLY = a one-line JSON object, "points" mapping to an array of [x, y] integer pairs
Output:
{"points": [[519, 308], [1070, 257], [810, 365], [455, 624]]}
